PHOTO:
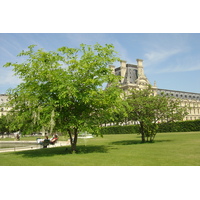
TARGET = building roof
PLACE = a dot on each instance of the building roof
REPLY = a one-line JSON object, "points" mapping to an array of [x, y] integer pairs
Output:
{"points": [[180, 94]]}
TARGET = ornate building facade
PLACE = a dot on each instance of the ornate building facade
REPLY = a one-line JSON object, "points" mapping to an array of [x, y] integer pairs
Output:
{"points": [[133, 77], [3, 100]]}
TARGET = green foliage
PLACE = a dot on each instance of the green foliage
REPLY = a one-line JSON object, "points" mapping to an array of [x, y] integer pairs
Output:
{"points": [[120, 129], [62, 90], [148, 110], [184, 126], [180, 126], [4, 124], [169, 149]]}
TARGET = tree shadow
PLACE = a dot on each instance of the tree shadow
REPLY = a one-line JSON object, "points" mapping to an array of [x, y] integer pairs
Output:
{"points": [[47, 152], [134, 142], [82, 149], [126, 142]]}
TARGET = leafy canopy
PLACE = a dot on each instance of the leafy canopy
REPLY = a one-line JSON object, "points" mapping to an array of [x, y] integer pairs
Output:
{"points": [[150, 109], [63, 90]]}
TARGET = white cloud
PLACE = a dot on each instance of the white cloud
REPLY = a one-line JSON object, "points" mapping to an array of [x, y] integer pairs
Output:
{"points": [[179, 68], [7, 77], [6, 52], [155, 57]]}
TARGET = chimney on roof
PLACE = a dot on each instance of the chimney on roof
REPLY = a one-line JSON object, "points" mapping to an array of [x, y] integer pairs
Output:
{"points": [[140, 67], [123, 70]]}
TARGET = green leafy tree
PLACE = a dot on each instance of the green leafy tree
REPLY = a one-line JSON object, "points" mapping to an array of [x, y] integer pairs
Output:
{"points": [[149, 110], [6, 124], [3, 124], [62, 90]]}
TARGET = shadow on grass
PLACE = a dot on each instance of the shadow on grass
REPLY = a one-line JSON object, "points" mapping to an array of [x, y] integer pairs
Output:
{"points": [[132, 142], [82, 149], [62, 151]]}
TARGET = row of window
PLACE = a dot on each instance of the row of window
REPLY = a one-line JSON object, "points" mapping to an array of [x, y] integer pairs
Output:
{"points": [[195, 111], [183, 96], [192, 118], [191, 104]]}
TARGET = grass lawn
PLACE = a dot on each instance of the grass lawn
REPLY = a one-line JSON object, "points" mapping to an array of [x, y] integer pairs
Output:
{"points": [[169, 149]]}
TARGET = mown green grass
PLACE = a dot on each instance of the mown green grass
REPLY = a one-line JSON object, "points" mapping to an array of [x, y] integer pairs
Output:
{"points": [[169, 149]]}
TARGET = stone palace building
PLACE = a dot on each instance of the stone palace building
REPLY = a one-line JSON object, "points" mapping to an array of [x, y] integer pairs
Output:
{"points": [[3, 100], [132, 76]]}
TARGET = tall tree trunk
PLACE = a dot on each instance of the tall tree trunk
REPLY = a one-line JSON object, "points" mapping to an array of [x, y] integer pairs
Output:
{"points": [[73, 134], [142, 131]]}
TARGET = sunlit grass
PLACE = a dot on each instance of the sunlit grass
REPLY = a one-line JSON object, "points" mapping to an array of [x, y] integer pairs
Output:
{"points": [[169, 149]]}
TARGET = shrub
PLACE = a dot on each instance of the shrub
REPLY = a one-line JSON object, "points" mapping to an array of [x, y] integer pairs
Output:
{"points": [[119, 129], [184, 126]]}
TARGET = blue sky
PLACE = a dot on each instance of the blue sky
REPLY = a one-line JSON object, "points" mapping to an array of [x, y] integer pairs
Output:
{"points": [[170, 59]]}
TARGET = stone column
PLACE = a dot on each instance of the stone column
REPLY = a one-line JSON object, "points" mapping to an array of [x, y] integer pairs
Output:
{"points": [[123, 70], [140, 68]]}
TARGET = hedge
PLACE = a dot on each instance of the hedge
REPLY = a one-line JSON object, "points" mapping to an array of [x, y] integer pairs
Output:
{"points": [[184, 126], [119, 129]]}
